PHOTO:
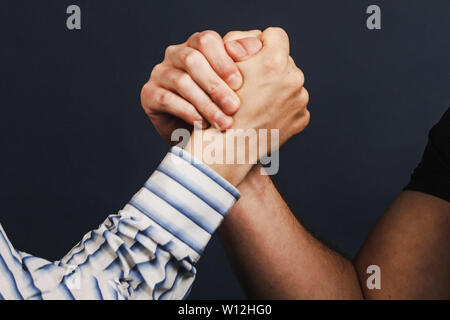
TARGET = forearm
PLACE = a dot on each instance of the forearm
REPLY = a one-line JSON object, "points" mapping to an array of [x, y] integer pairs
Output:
{"points": [[202, 142], [148, 250], [274, 255], [411, 245]]}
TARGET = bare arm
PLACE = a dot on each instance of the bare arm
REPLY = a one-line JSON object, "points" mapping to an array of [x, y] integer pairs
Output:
{"points": [[411, 245], [411, 242], [274, 256]]}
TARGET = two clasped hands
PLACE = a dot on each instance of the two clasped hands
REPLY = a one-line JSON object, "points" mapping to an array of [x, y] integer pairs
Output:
{"points": [[201, 82], [247, 80], [149, 249]]}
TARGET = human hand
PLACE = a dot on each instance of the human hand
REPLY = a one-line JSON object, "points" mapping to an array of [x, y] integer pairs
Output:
{"points": [[272, 97], [196, 81]]}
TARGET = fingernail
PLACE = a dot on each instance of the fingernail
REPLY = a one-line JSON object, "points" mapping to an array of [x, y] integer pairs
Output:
{"points": [[235, 81], [238, 49], [230, 104], [222, 121]]}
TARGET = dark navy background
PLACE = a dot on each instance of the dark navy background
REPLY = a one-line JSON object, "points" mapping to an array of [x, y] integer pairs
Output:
{"points": [[75, 144]]}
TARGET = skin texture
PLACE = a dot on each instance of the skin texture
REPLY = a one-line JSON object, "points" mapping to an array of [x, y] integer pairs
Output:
{"points": [[272, 97], [411, 245], [188, 86], [274, 256]]}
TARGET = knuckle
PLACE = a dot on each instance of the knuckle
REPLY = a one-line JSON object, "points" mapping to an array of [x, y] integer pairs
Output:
{"points": [[276, 62], [228, 69], [210, 110], [300, 77], [182, 81], [156, 70], [147, 95], [215, 88], [301, 123], [279, 59], [297, 78], [146, 90], [170, 50], [191, 58], [307, 118], [206, 38], [162, 98], [191, 40], [144, 93], [277, 31], [304, 97], [304, 121]]}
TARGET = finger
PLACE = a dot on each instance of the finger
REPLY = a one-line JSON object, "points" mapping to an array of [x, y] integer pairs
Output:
{"points": [[180, 82], [211, 45], [160, 100], [274, 38], [196, 65], [165, 124], [242, 49], [234, 35]]}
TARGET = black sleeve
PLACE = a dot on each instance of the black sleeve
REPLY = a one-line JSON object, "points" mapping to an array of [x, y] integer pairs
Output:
{"points": [[432, 175]]}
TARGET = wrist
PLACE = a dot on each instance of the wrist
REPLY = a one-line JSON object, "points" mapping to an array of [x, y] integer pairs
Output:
{"points": [[255, 181], [210, 146]]}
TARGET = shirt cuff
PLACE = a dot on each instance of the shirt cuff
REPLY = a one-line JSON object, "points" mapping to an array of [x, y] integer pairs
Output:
{"points": [[186, 201]]}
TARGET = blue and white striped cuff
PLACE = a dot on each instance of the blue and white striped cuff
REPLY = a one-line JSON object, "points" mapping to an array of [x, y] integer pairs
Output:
{"points": [[187, 199]]}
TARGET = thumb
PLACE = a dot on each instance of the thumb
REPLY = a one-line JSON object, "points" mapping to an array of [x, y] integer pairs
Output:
{"points": [[242, 49]]}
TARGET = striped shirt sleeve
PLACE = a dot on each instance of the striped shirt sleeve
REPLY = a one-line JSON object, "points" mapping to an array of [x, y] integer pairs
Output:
{"points": [[148, 250]]}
